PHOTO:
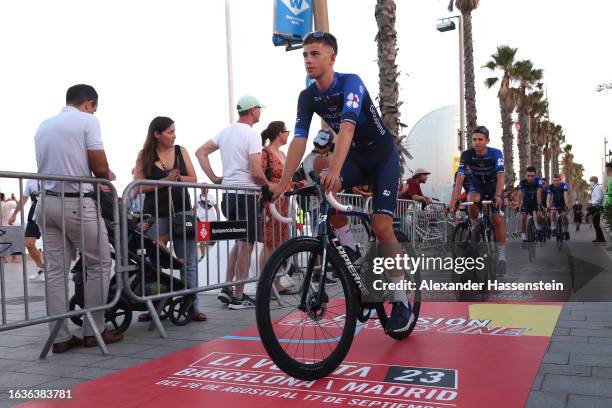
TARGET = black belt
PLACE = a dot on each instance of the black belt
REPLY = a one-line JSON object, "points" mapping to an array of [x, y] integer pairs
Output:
{"points": [[69, 195]]}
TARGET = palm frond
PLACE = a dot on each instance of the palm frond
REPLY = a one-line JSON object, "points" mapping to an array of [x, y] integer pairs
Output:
{"points": [[489, 82]]}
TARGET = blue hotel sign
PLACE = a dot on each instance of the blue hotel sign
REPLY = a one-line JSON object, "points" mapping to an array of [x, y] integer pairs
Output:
{"points": [[292, 21]]}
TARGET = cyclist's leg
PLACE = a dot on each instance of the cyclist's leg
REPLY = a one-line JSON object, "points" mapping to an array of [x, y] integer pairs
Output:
{"points": [[386, 171], [553, 219], [352, 175], [474, 195], [500, 228], [524, 215]]}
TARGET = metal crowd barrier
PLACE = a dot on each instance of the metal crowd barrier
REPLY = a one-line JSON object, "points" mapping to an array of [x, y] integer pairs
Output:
{"points": [[512, 221], [56, 288], [154, 277]]}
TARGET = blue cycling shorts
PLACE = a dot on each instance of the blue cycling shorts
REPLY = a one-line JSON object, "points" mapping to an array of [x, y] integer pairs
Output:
{"points": [[378, 162], [486, 192]]}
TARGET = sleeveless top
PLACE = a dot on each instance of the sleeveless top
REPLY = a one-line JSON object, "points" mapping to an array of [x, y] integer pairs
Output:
{"points": [[162, 193]]}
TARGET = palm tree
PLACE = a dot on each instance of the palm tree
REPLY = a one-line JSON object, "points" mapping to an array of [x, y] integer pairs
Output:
{"points": [[388, 94], [466, 7], [538, 112], [528, 79], [503, 60], [546, 130], [568, 167], [557, 139]]}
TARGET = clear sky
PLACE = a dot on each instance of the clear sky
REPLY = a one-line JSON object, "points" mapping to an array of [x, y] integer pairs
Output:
{"points": [[154, 57]]}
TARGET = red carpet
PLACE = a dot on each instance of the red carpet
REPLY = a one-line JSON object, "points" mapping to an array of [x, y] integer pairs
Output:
{"points": [[460, 355]]}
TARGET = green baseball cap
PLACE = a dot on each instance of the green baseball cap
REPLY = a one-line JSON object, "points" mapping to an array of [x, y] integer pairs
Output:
{"points": [[247, 102]]}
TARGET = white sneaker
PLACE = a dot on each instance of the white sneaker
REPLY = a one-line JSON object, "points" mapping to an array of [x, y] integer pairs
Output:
{"points": [[36, 276], [41, 277]]}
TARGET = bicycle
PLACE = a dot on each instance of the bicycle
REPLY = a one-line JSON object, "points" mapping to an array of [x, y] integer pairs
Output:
{"points": [[561, 229], [476, 241], [532, 236], [312, 339]]}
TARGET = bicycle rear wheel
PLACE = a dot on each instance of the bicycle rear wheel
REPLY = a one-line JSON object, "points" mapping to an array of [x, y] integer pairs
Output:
{"points": [[307, 340], [531, 238], [560, 233], [383, 310]]}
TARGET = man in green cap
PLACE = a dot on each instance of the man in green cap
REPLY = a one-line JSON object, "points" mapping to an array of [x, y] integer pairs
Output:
{"points": [[240, 147]]}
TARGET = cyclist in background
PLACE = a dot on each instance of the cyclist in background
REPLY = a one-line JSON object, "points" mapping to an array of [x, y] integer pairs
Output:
{"points": [[558, 196], [530, 199], [488, 177]]}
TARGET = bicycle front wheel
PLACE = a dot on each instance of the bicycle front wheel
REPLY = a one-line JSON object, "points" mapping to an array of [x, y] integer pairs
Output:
{"points": [[308, 332]]}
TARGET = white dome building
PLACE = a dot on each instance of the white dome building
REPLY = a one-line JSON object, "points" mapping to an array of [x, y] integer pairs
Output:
{"points": [[433, 143]]}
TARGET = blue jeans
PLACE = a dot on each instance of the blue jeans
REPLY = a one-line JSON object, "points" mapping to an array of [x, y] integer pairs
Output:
{"points": [[183, 249]]}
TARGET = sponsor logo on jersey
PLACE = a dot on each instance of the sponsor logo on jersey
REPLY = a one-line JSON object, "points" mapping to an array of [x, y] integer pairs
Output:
{"points": [[381, 129], [352, 101]]}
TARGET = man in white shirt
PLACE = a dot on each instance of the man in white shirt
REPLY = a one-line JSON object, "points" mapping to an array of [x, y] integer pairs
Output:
{"points": [[70, 144], [595, 208], [240, 147], [32, 232]]}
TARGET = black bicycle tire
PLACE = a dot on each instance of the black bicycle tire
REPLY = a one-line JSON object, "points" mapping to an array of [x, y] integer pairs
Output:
{"points": [[416, 306], [460, 295], [531, 239], [285, 362]]}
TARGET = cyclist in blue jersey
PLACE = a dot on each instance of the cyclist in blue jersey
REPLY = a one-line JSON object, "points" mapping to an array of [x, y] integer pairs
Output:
{"points": [[530, 198], [487, 183], [558, 197], [364, 148]]}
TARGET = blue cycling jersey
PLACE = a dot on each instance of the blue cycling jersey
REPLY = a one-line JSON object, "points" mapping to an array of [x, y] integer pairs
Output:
{"points": [[530, 190], [557, 193], [347, 100], [484, 168]]}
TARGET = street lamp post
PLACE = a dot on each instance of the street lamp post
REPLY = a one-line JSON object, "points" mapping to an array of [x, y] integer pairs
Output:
{"points": [[230, 65], [445, 24]]}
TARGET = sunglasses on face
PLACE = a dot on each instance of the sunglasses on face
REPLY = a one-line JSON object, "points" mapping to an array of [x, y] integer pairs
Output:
{"points": [[326, 37], [481, 129]]}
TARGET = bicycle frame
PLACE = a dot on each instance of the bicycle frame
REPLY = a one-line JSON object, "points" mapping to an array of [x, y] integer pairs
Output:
{"points": [[330, 241]]}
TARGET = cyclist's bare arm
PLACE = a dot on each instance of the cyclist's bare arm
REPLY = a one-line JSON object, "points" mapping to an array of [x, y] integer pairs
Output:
{"points": [[501, 181], [457, 191], [519, 198], [539, 197], [549, 201]]}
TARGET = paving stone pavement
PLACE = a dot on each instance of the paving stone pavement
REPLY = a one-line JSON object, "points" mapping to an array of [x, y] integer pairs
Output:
{"points": [[576, 370]]}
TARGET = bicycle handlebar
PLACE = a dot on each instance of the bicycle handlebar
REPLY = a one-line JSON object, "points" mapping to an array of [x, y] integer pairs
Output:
{"points": [[466, 203], [334, 203], [278, 216]]}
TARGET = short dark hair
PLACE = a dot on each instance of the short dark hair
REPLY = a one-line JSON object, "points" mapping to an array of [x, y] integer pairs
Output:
{"points": [[2, 196], [79, 94], [530, 169], [556, 176], [609, 165], [481, 129], [322, 37]]}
